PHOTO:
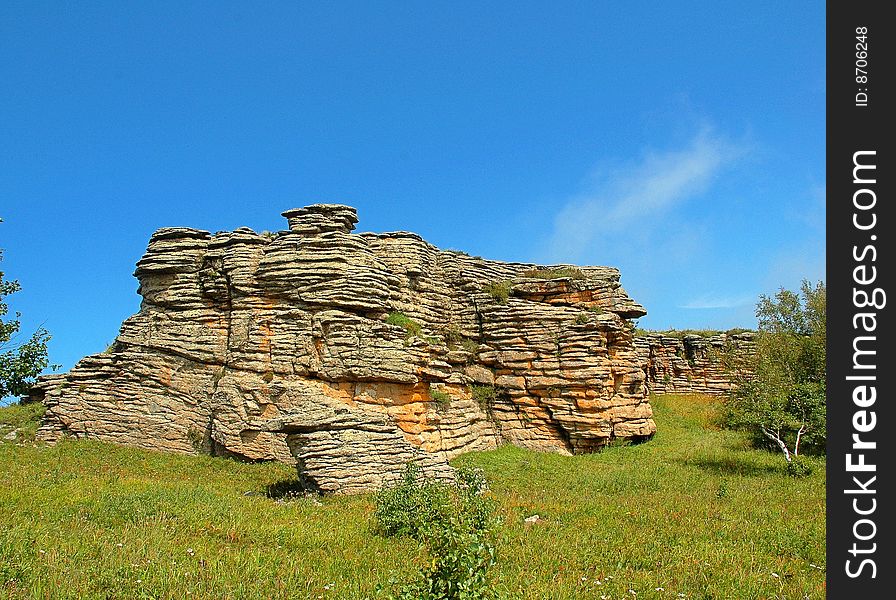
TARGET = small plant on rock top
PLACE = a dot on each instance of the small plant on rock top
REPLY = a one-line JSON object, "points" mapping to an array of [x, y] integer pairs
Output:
{"points": [[471, 346], [412, 327], [486, 396], [499, 291], [564, 273], [442, 399]]}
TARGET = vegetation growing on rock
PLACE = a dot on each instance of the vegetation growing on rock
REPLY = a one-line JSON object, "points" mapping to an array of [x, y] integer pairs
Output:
{"points": [[412, 327], [703, 363], [499, 291], [442, 399], [563, 273]]}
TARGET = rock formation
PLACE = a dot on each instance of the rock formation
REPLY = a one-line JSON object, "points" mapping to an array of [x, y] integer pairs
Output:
{"points": [[690, 363], [352, 354]]}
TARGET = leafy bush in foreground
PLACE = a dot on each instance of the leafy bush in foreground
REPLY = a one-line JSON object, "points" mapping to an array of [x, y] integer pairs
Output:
{"points": [[456, 524]]}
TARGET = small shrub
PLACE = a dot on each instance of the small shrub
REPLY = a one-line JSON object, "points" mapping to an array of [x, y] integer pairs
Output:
{"points": [[454, 339], [459, 568], [455, 522], [722, 490], [499, 291], [441, 399], [582, 318], [410, 506], [417, 502], [485, 396], [564, 273], [799, 467], [412, 327], [471, 346]]}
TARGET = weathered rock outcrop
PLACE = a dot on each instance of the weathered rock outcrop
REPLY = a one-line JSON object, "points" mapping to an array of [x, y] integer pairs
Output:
{"points": [[352, 354], [691, 364]]}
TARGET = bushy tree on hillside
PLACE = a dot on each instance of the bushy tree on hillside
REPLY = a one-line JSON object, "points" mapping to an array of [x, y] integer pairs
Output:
{"points": [[780, 396], [20, 362]]}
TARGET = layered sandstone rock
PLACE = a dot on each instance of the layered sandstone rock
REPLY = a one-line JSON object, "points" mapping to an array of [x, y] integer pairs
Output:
{"points": [[692, 364], [352, 354]]}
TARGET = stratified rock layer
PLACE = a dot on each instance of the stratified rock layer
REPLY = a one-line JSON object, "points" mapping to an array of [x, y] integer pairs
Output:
{"points": [[352, 354], [692, 364]]}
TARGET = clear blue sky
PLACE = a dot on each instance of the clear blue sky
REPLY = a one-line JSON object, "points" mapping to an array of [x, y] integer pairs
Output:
{"points": [[681, 142]]}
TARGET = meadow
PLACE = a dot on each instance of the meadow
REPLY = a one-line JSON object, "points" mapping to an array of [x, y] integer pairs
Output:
{"points": [[694, 513]]}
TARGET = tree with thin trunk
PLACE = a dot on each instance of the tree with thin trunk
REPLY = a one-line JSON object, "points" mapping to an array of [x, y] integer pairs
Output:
{"points": [[780, 391], [20, 361]]}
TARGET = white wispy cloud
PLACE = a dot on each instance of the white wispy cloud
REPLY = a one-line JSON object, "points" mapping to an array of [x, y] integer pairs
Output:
{"points": [[640, 193], [708, 302]]}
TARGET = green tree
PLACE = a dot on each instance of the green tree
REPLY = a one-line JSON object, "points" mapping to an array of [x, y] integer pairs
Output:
{"points": [[780, 392], [20, 362]]}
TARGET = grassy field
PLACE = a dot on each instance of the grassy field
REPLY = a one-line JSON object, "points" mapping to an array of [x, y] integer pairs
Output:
{"points": [[694, 513]]}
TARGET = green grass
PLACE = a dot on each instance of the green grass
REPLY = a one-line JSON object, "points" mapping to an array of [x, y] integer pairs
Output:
{"points": [[565, 273], [411, 327], [24, 418], [694, 512], [499, 291]]}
